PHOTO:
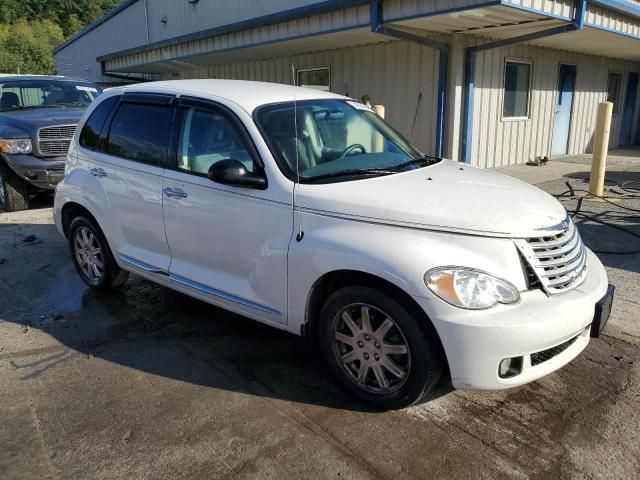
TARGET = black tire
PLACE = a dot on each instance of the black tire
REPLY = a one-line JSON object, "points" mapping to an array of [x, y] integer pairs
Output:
{"points": [[111, 275], [14, 191], [422, 363]]}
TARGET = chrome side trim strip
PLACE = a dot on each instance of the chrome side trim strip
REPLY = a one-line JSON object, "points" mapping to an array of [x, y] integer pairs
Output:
{"points": [[144, 266], [223, 295]]}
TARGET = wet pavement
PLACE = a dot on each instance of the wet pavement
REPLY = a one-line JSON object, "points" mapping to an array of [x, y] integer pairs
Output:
{"points": [[148, 383]]}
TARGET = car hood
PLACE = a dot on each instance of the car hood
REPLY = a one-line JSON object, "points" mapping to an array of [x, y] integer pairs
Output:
{"points": [[447, 196], [35, 118]]}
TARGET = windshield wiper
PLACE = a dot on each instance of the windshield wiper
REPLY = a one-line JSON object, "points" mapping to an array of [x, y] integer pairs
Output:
{"points": [[348, 173], [424, 160]]}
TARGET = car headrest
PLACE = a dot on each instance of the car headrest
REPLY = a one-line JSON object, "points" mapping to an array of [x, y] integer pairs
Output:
{"points": [[9, 100]]}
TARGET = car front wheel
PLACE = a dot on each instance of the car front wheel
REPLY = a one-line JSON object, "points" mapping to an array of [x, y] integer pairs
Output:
{"points": [[92, 256], [377, 349], [14, 192]]}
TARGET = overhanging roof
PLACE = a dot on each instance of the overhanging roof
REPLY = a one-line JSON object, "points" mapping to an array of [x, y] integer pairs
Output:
{"points": [[347, 38], [594, 41], [494, 19]]}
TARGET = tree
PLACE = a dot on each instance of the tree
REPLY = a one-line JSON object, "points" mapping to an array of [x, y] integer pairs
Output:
{"points": [[26, 46], [30, 29]]}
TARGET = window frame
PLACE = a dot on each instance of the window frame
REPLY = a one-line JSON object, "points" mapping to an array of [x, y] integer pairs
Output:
{"points": [[107, 123], [140, 98], [186, 102], [616, 104], [521, 61], [313, 69]]}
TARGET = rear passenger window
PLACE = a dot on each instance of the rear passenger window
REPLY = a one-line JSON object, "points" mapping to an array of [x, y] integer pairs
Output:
{"points": [[90, 135], [140, 132]]}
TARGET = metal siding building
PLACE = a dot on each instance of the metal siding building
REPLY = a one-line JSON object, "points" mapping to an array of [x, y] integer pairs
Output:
{"points": [[441, 67]]}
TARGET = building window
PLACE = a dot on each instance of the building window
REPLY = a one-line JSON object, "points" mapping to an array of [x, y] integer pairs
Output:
{"points": [[319, 78], [613, 89], [517, 77]]}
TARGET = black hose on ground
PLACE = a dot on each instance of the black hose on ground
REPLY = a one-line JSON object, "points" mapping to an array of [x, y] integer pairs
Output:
{"points": [[578, 211]]}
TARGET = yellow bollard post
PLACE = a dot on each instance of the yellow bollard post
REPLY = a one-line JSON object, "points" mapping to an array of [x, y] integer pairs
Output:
{"points": [[377, 140], [600, 148]]}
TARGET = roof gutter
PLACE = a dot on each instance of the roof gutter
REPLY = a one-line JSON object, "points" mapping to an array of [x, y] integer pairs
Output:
{"points": [[378, 26], [577, 23]]}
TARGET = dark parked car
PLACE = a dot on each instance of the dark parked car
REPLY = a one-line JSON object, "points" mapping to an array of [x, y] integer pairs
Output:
{"points": [[38, 117]]}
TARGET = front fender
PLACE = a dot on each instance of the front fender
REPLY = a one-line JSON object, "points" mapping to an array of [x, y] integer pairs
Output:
{"points": [[398, 255]]}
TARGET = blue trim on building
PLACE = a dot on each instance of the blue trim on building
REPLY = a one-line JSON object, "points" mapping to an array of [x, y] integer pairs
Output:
{"points": [[378, 26], [286, 15], [580, 13], [621, 6], [467, 116], [542, 13], [441, 114], [92, 26], [490, 3], [611, 30]]}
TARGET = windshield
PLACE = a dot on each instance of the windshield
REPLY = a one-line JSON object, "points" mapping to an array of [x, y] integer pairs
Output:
{"points": [[336, 140], [20, 94]]}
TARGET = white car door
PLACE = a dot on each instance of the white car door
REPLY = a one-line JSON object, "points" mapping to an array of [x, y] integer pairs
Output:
{"points": [[228, 243], [129, 168]]}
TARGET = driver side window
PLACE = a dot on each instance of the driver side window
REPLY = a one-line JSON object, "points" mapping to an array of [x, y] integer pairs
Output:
{"points": [[207, 137]]}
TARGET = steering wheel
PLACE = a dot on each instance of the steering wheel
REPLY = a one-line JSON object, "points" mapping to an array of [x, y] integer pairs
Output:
{"points": [[351, 149]]}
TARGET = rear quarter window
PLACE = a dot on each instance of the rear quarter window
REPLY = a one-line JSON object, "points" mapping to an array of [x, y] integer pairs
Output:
{"points": [[140, 132], [90, 135]]}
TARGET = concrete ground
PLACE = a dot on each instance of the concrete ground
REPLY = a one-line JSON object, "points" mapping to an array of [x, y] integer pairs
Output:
{"points": [[148, 383]]}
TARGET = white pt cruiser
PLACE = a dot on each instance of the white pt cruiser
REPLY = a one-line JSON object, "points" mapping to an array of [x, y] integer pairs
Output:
{"points": [[306, 211]]}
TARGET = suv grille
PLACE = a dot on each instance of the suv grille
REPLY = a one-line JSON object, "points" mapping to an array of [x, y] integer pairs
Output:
{"points": [[55, 141], [559, 261]]}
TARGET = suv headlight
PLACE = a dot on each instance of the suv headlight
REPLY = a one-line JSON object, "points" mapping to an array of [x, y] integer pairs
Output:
{"points": [[16, 146], [469, 288]]}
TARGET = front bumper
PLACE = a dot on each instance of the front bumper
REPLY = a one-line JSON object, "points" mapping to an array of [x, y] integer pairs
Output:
{"points": [[39, 172], [475, 342]]}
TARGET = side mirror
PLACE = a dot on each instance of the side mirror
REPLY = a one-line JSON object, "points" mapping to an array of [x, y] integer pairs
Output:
{"points": [[233, 172]]}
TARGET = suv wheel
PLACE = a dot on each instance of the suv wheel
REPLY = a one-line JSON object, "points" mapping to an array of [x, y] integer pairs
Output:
{"points": [[376, 348], [92, 256], [14, 192]]}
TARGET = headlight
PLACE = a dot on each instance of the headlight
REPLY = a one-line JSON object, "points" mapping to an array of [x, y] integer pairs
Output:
{"points": [[16, 146], [469, 288]]}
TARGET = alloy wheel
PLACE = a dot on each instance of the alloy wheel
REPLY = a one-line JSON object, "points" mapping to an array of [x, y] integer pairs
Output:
{"points": [[371, 348], [88, 253]]}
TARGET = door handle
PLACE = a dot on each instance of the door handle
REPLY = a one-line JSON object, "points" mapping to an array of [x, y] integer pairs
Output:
{"points": [[98, 172], [174, 192]]}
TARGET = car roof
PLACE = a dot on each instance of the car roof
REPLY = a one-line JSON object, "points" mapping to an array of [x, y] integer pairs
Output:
{"points": [[247, 94], [18, 78]]}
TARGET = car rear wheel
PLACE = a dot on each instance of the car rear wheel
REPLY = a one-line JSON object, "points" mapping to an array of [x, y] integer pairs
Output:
{"points": [[92, 256], [377, 349], [14, 192]]}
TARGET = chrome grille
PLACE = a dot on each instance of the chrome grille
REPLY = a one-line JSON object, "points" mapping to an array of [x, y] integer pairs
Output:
{"points": [[559, 261], [55, 141]]}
